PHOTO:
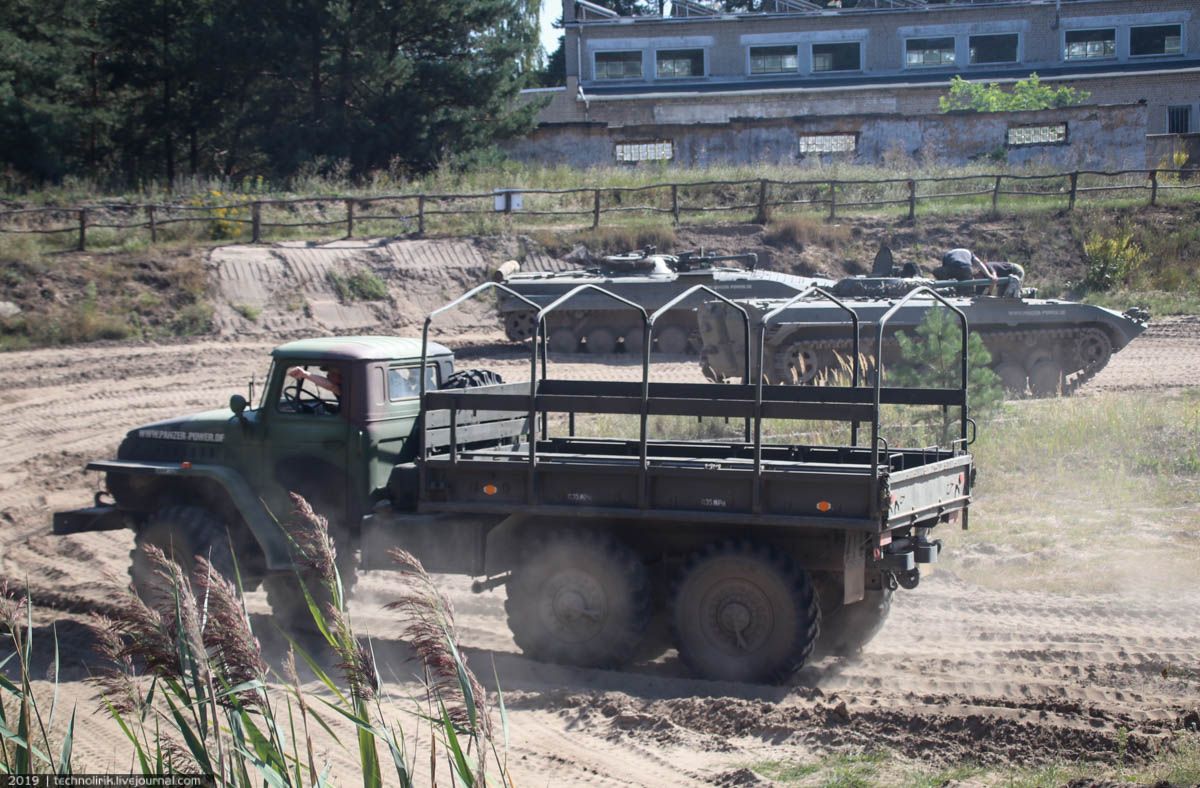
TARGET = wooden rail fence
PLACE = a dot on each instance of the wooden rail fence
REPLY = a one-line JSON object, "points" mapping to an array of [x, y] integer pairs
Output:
{"points": [[413, 213]]}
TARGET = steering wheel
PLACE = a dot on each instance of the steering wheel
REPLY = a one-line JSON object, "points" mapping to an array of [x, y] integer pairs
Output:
{"points": [[301, 399]]}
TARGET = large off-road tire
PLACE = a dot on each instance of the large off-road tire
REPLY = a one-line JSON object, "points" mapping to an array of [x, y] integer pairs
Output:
{"points": [[848, 628], [579, 598], [745, 612], [287, 601], [182, 532], [471, 378]]}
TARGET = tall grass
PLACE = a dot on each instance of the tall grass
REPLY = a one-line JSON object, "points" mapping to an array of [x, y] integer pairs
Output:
{"points": [[190, 689]]}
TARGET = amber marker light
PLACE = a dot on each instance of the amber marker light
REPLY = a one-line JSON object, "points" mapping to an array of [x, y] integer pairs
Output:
{"points": [[489, 489], [824, 506]]}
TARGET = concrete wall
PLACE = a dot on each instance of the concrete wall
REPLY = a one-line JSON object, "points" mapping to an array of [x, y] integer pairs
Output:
{"points": [[1099, 137]]}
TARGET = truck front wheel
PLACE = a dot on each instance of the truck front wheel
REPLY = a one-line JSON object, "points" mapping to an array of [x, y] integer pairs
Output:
{"points": [[579, 598], [181, 532], [745, 612]]}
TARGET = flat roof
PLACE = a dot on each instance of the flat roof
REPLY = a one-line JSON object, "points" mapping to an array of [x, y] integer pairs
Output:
{"points": [[358, 348]]}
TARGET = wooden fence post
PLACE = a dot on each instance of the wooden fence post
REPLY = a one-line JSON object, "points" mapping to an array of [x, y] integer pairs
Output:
{"points": [[1074, 190], [420, 214], [912, 200], [83, 217], [596, 209], [153, 224], [832, 199], [1154, 187], [996, 195], [763, 217], [349, 218], [675, 202], [255, 222]]}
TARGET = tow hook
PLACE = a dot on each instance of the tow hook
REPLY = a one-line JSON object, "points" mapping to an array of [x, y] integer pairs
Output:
{"points": [[479, 586]]}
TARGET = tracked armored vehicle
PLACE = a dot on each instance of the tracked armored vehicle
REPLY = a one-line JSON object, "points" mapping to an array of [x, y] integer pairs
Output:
{"points": [[600, 325], [1043, 347]]}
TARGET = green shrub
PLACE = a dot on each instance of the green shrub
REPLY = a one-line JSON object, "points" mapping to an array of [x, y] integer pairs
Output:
{"points": [[1027, 94], [193, 319], [360, 285], [932, 358], [247, 311], [1111, 261]]}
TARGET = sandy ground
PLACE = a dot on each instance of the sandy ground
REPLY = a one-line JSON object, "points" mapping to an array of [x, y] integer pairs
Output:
{"points": [[958, 673]]}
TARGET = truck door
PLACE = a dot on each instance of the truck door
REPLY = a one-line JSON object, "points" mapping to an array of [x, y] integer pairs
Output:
{"points": [[308, 436]]}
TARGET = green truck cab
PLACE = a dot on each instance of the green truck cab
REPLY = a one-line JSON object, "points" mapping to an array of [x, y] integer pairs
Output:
{"points": [[184, 483]]}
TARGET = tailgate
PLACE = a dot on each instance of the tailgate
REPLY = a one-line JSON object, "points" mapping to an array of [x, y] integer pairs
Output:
{"points": [[929, 491]]}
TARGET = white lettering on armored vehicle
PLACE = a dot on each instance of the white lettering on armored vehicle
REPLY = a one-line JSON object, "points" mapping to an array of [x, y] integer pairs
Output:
{"points": [[181, 435]]}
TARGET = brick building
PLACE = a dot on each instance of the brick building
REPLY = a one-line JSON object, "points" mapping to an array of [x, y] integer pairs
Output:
{"points": [[638, 82]]}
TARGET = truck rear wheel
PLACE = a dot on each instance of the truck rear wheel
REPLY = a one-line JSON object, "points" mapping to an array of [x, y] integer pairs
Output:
{"points": [[580, 599], [181, 532], [848, 628], [745, 612]]}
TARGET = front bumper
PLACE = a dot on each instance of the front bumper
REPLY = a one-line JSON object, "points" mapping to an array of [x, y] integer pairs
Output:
{"points": [[92, 518]]}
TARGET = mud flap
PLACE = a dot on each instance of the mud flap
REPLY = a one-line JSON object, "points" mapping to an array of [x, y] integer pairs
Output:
{"points": [[854, 573]]}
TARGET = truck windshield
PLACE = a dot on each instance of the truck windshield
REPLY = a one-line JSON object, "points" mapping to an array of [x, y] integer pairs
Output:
{"points": [[404, 383]]}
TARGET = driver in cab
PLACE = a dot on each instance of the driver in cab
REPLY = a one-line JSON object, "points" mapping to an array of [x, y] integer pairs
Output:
{"points": [[331, 381]]}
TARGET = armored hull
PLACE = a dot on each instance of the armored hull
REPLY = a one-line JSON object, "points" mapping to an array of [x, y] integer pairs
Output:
{"points": [[594, 323], [1042, 347]]}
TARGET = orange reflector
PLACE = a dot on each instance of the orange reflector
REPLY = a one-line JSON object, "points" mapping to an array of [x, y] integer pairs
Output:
{"points": [[824, 506], [185, 465], [489, 489]]}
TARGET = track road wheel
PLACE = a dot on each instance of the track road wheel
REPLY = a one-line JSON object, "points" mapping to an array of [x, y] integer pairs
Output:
{"points": [[1094, 349], [1045, 378], [745, 612], [633, 339], [673, 340], [579, 598], [1012, 377], [848, 628], [801, 365], [562, 340], [600, 340], [518, 326], [182, 532]]}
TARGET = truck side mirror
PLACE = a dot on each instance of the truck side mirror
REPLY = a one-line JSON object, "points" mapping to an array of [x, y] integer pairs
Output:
{"points": [[237, 404]]}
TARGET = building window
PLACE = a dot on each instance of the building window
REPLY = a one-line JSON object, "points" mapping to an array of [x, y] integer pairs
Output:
{"points": [[1156, 40], [837, 57], [928, 52], [663, 150], [1052, 134], [1179, 120], [828, 143], [618, 65], [1091, 44], [774, 60], [994, 49], [676, 63]]}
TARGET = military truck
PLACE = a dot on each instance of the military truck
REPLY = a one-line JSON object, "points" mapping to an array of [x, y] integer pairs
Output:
{"points": [[1039, 347], [755, 549], [596, 325]]}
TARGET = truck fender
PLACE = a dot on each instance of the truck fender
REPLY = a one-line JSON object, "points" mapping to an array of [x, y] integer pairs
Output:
{"points": [[263, 526]]}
